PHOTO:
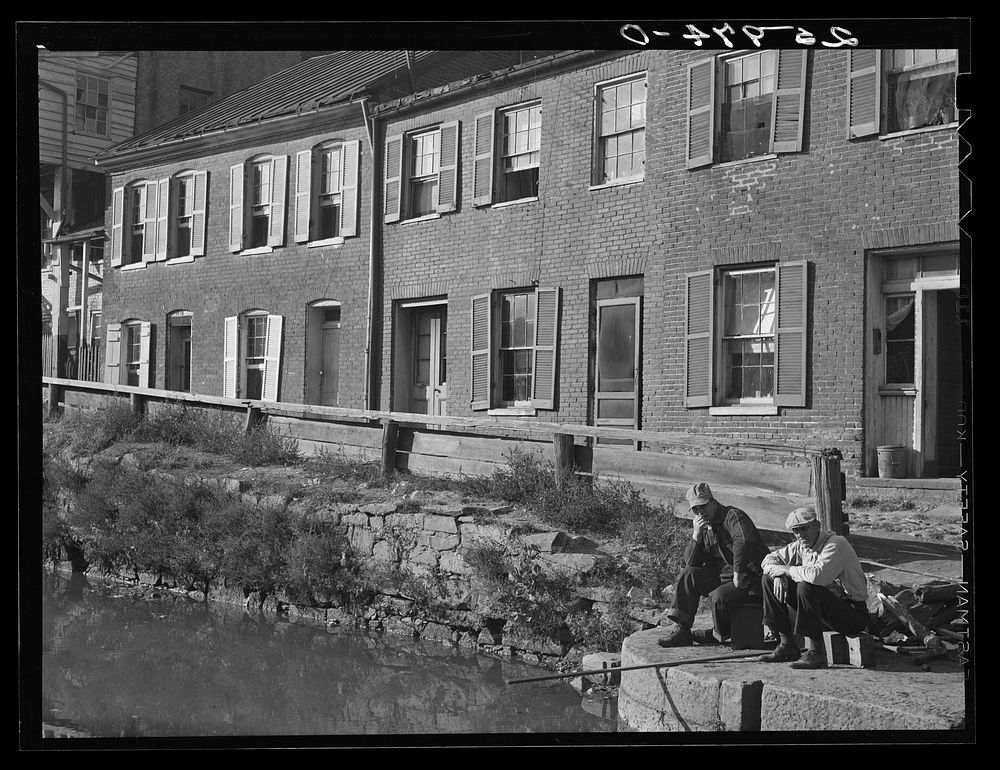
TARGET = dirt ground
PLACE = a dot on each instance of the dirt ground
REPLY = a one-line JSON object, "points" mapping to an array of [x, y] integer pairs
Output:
{"points": [[933, 523]]}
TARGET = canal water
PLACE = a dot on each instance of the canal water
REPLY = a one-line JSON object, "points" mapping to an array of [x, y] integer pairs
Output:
{"points": [[114, 665]]}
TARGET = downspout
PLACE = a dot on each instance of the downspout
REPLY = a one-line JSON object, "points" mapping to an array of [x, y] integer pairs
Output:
{"points": [[373, 241]]}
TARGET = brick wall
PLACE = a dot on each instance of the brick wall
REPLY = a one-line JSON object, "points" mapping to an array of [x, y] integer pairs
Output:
{"points": [[222, 284], [814, 205]]}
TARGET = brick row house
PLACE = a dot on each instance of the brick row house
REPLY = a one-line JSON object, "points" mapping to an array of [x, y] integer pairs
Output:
{"points": [[749, 244]]}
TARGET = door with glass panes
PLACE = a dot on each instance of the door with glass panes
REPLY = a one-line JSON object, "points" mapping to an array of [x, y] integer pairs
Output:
{"points": [[617, 363], [429, 387]]}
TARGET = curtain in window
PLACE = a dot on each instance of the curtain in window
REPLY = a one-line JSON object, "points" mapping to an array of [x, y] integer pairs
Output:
{"points": [[922, 100], [892, 320]]}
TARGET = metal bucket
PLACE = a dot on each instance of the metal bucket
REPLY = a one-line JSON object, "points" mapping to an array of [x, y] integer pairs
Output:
{"points": [[892, 461]]}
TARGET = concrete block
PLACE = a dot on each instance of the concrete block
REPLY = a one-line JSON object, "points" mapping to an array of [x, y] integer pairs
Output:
{"points": [[746, 626], [857, 651]]}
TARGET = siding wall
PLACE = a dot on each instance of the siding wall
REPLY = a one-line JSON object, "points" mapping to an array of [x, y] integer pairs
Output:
{"points": [[60, 70]]}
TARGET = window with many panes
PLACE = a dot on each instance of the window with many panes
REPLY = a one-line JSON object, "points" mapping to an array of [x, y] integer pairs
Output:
{"points": [[900, 339], [521, 140], [252, 355], [130, 350], [621, 130], [919, 88], [748, 335], [127, 353], [160, 220], [421, 172], [517, 342], [900, 90], [745, 104], [745, 336], [93, 104], [425, 159], [745, 114], [256, 336], [257, 203], [260, 203], [326, 192], [514, 342]]}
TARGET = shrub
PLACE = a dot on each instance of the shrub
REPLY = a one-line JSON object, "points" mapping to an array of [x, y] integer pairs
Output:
{"points": [[265, 446], [338, 465], [603, 629], [313, 560], [254, 548]]}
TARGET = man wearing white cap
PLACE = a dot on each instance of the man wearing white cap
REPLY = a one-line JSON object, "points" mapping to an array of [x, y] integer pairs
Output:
{"points": [[722, 561], [816, 583]]}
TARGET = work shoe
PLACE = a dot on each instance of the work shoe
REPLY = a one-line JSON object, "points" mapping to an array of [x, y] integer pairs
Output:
{"points": [[680, 636], [783, 653], [704, 636], [811, 659]]}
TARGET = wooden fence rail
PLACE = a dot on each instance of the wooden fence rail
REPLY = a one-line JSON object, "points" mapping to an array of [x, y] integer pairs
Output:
{"points": [[473, 446]]}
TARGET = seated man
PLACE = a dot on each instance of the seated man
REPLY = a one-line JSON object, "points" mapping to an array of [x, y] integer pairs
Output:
{"points": [[723, 560], [816, 583]]}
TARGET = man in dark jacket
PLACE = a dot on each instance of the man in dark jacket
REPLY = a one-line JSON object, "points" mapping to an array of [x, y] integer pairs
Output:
{"points": [[723, 560]]}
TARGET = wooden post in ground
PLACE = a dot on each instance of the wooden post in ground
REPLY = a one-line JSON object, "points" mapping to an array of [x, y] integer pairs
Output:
{"points": [[828, 491], [390, 436], [562, 453], [253, 418], [138, 404], [55, 396]]}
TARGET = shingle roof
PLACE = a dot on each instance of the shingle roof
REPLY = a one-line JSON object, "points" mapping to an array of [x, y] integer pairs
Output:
{"points": [[321, 81]]}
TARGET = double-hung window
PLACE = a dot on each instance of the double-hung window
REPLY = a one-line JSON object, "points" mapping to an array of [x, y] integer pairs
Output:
{"points": [[252, 356], [507, 154], [900, 90], [745, 336], [127, 353], [421, 173], [156, 221], [620, 152], [326, 192], [745, 105], [257, 203], [93, 104], [515, 336]]}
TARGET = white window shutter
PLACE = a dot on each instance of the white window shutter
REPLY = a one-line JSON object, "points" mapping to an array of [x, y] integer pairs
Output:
{"points": [[788, 104], [199, 212], [149, 222], [276, 220], [393, 181], [349, 171], [481, 353], [698, 382], [790, 333], [482, 169], [303, 190], [448, 168], [546, 345], [162, 218], [230, 353], [700, 113], [145, 338], [113, 354], [272, 358], [864, 84], [236, 207], [117, 225]]}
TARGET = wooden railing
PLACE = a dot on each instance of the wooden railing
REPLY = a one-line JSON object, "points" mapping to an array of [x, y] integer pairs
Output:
{"points": [[476, 446]]}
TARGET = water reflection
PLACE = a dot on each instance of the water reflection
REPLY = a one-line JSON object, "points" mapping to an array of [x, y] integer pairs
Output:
{"points": [[115, 665]]}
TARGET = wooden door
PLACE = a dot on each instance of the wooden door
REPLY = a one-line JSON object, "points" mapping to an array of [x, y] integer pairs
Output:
{"points": [[429, 389]]}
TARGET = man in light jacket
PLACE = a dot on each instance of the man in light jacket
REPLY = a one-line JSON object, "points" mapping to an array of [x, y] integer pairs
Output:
{"points": [[723, 560], [813, 584]]}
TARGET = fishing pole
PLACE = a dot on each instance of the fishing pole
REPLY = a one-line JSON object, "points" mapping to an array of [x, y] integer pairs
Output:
{"points": [[615, 669]]}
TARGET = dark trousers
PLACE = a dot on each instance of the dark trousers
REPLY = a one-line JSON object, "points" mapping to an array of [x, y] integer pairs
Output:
{"points": [[696, 582], [809, 610]]}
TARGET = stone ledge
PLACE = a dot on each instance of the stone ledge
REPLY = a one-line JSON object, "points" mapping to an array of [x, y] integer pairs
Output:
{"points": [[868, 483], [747, 695]]}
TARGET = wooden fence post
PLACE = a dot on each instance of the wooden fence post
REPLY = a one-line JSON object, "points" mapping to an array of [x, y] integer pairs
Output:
{"points": [[55, 396], [138, 404], [562, 449], [828, 491], [253, 418], [390, 435]]}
